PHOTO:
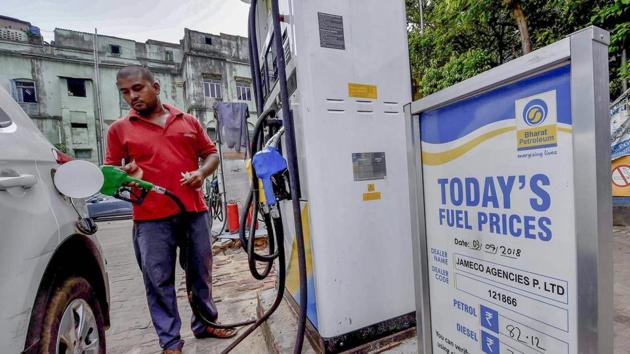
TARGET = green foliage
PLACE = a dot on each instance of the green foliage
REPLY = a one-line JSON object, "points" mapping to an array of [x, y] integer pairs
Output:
{"points": [[456, 69], [61, 147], [461, 39], [465, 37], [614, 16]]}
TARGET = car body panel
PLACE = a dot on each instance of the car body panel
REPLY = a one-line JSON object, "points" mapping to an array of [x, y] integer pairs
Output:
{"points": [[33, 221]]}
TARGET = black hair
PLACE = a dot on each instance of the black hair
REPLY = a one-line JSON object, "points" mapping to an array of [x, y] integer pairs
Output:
{"points": [[135, 70]]}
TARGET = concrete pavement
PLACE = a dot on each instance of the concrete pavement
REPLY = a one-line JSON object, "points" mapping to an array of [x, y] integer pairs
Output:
{"points": [[132, 331], [235, 293], [621, 256]]}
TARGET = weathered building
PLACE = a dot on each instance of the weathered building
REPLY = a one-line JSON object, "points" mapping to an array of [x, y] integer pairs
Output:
{"points": [[55, 82]]}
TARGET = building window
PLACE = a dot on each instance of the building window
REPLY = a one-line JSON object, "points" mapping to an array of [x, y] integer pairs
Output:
{"points": [[83, 153], [243, 91], [208, 40], [212, 88], [25, 91], [79, 125], [76, 87], [114, 49], [12, 35], [169, 55]]}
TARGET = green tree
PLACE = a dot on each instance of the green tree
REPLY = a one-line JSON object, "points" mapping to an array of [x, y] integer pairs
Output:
{"points": [[521, 22], [615, 16], [463, 38]]}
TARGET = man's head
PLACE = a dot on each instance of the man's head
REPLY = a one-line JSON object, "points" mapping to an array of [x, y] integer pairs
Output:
{"points": [[138, 88]]}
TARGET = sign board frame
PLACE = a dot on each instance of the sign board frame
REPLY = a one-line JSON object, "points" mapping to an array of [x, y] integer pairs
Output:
{"points": [[587, 53]]}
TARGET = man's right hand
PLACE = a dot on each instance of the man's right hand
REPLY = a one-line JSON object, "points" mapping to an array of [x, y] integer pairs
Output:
{"points": [[133, 171]]}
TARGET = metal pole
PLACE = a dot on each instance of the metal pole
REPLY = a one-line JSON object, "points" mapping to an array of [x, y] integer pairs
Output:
{"points": [[592, 190], [294, 178], [223, 193], [99, 111], [421, 16]]}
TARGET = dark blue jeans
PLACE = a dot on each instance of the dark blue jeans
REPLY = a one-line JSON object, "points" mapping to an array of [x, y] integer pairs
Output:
{"points": [[155, 243]]}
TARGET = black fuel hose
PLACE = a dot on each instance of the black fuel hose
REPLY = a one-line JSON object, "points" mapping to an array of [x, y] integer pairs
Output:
{"points": [[274, 225], [176, 199], [254, 202], [294, 179], [277, 222], [275, 236], [253, 56], [199, 310]]}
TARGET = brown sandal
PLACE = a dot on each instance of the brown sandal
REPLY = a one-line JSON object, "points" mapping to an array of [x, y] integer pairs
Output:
{"points": [[212, 332]]}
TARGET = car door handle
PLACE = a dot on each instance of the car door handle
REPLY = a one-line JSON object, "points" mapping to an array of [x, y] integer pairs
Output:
{"points": [[24, 181]]}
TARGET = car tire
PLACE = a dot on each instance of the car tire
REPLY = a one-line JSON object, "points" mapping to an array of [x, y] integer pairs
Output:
{"points": [[72, 302]]}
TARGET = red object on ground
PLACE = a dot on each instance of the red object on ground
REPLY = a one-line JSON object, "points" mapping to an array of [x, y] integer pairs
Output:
{"points": [[232, 218]]}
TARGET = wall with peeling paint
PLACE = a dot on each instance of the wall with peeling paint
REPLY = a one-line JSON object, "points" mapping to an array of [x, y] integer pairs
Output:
{"points": [[180, 69]]}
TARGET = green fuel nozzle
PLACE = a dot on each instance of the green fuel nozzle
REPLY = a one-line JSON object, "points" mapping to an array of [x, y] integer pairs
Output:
{"points": [[116, 178]]}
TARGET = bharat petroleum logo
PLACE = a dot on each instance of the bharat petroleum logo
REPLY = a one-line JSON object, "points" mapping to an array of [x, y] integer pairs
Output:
{"points": [[535, 112]]}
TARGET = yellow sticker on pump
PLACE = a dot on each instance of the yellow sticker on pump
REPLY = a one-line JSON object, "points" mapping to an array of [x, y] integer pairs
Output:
{"points": [[371, 194], [362, 90]]}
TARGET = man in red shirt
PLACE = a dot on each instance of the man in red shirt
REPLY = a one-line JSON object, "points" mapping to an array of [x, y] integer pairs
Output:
{"points": [[160, 144]]}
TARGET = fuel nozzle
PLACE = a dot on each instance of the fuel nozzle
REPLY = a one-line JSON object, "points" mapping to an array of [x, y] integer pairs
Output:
{"points": [[116, 184], [267, 163], [115, 178]]}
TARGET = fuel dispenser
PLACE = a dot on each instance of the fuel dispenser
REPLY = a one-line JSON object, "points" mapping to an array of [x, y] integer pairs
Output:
{"points": [[329, 168], [347, 77]]}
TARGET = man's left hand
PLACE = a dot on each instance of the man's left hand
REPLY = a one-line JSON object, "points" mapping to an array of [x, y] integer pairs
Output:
{"points": [[193, 179]]}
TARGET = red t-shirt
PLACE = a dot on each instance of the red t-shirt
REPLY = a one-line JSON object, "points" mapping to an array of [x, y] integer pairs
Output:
{"points": [[163, 153]]}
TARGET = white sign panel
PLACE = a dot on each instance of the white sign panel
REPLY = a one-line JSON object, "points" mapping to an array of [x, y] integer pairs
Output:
{"points": [[620, 127], [500, 219]]}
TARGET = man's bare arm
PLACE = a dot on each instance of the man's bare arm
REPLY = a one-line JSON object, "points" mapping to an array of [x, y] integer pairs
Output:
{"points": [[195, 179]]}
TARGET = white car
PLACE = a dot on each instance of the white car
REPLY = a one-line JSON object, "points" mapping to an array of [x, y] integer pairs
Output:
{"points": [[54, 291]]}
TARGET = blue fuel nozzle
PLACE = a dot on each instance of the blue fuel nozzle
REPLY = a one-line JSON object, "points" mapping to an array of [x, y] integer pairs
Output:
{"points": [[268, 162]]}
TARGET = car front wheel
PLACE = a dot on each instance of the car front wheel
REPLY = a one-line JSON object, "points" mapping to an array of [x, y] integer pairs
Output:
{"points": [[73, 322]]}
